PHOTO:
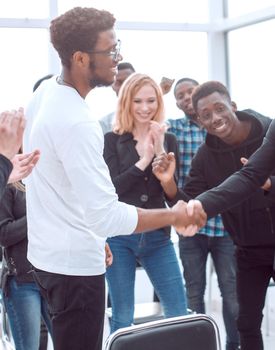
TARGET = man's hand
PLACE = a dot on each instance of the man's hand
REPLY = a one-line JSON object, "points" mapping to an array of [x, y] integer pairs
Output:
{"points": [[164, 167], [108, 255], [166, 85], [267, 185], [188, 222], [23, 165], [12, 125]]}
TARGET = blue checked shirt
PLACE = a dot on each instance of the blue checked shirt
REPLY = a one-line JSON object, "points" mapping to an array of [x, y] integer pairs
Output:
{"points": [[190, 136]]}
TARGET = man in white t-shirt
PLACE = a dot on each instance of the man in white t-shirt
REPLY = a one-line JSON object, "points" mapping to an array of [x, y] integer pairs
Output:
{"points": [[71, 202]]}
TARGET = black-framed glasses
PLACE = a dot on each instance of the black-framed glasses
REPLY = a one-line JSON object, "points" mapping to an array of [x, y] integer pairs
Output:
{"points": [[113, 53]]}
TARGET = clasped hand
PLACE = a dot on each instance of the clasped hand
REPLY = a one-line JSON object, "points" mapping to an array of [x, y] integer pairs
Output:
{"points": [[191, 216]]}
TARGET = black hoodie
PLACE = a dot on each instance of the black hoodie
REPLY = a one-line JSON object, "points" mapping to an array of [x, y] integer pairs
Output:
{"points": [[251, 223]]}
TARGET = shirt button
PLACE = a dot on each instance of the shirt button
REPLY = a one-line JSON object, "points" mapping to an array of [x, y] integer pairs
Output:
{"points": [[144, 198], [146, 178]]}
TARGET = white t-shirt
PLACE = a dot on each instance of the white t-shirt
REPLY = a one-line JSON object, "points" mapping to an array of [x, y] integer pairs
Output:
{"points": [[71, 202]]}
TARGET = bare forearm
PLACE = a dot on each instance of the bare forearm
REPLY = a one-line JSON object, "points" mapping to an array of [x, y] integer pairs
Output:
{"points": [[170, 188], [151, 219]]}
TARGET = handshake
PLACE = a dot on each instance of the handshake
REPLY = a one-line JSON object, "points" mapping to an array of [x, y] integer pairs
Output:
{"points": [[189, 217]]}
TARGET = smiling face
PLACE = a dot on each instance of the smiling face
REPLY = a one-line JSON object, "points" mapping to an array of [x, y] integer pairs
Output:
{"points": [[144, 105], [217, 115], [183, 94], [103, 67]]}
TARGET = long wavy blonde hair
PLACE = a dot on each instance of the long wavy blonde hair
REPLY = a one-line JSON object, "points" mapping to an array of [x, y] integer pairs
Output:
{"points": [[124, 120]]}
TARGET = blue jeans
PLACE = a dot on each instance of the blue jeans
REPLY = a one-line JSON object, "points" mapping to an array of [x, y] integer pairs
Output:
{"points": [[25, 306], [193, 253], [156, 254]]}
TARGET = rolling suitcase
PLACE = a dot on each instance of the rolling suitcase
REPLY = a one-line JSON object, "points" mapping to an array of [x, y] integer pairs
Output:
{"points": [[191, 332]]}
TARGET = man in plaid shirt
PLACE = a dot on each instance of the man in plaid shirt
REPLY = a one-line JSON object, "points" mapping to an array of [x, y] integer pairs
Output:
{"points": [[212, 238]]}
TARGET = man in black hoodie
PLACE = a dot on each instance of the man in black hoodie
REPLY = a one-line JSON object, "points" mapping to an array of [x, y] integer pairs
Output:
{"points": [[232, 135]]}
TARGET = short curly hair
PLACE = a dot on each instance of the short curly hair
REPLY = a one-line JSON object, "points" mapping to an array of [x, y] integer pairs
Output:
{"points": [[77, 30], [206, 89]]}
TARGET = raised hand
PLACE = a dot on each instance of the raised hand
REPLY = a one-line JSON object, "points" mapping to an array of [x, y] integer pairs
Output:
{"points": [[12, 125], [164, 167], [157, 131], [145, 150], [166, 85], [23, 165], [188, 223], [267, 185]]}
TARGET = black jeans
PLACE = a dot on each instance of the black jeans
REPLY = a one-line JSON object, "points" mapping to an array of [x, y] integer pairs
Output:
{"points": [[254, 270], [77, 305], [43, 345]]}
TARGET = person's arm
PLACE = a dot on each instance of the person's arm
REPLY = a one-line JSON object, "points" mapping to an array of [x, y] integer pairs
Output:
{"points": [[150, 219], [195, 182], [243, 183], [164, 167], [81, 154], [268, 186], [13, 227]]}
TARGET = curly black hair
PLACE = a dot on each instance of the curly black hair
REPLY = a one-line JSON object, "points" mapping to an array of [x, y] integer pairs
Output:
{"points": [[207, 89], [77, 30]]}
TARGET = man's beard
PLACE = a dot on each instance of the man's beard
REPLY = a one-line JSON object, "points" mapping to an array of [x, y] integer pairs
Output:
{"points": [[97, 81]]}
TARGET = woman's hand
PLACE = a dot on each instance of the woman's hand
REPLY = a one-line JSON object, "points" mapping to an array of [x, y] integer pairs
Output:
{"points": [[23, 165], [146, 152], [12, 125], [158, 131]]}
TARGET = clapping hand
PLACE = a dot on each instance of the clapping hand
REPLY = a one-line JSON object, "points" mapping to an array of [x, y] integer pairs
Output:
{"points": [[157, 131], [23, 165], [12, 125]]}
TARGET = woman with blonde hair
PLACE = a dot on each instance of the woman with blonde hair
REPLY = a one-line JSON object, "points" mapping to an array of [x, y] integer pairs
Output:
{"points": [[139, 135]]}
